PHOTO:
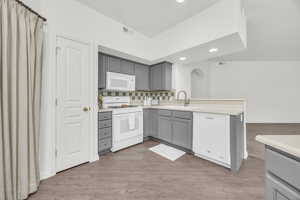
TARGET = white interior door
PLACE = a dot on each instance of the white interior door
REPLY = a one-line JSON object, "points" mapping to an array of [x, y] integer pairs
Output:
{"points": [[72, 113]]}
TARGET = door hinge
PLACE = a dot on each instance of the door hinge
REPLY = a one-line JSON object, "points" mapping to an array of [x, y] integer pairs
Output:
{"points": [[56, 102]]}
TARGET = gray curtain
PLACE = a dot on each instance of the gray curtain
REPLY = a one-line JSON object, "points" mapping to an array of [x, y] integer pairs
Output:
{"points": [[21, 41]]}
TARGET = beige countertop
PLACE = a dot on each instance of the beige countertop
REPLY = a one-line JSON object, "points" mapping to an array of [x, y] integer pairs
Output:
{"points": [[286, 143], [214, 109]]}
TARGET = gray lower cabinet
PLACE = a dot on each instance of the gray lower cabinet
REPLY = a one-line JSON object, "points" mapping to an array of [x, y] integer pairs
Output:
{"points": [[282, 176], [173, 127], [114, 64], [278, 190], [104, 132], [161, 76], [182, 132], [150, 123], [165, 129], [154, 123], [147, 122], [142, 75], [236, 141]]}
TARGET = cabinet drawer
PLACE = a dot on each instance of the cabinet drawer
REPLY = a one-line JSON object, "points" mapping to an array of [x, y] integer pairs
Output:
{"points": [[105, 133], [166, 113], [104, 116], [183, 114], [278, 190], [104, 124], [284, 167], [104, 144]]}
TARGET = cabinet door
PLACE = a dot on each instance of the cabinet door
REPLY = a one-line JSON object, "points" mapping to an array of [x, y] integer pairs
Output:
{"points": [[278, 190], [127, 67], [114, 64], [142, 77], [182, 133], [167, 76], [102, 69], [147, 122], [165, 128], [214, 139], [156, 77], [154, 123]]}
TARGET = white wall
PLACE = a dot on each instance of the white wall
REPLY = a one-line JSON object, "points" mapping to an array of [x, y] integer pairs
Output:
{"points": [[199, 84], [270, 88], [34, 4], [182, 75], [71, 19]]}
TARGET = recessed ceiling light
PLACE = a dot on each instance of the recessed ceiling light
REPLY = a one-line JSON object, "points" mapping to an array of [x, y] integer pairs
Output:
{"points": [[182, 58], [213, 50], [180, 1]]}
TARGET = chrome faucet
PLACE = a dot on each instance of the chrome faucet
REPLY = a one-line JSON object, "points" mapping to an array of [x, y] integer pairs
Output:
{"points": [[186, 100]]}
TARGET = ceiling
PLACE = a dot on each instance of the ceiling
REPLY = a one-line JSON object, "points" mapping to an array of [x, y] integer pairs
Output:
{"points": [[273, 31], [149, 17]]}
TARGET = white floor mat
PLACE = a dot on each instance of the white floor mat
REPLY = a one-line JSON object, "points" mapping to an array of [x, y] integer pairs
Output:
{"points": [[167, 152]]}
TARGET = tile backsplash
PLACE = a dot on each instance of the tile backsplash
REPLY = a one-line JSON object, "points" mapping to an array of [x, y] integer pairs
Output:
{"points": [[140, 95]]}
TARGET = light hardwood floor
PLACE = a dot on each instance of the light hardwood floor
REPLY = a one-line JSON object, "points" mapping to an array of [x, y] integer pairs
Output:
{"points": [[139, 174]]}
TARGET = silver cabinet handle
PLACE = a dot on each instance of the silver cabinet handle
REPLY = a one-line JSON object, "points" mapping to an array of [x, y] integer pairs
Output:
{"points": [[210, 118]]}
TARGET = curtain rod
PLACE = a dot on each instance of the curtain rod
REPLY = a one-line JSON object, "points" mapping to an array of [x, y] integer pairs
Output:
{"points": [[31, 10]]}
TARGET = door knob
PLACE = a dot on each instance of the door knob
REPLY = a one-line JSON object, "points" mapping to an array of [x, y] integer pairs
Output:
{"points": [[86, 109]]}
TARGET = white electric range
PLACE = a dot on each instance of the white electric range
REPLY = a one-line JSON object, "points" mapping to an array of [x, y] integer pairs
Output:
{"points": [[127, 122]]}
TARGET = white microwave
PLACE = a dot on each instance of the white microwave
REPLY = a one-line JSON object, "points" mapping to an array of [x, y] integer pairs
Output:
{"points": [[120, 82]]}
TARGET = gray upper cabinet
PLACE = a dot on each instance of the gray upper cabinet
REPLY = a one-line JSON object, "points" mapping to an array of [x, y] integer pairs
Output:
{"points": [[156, 77], [119, 65], [142, 77], [161, 76], [165, 128], [114, 64], [108, 63], [182, 132], [102, 69], [127, 67]]}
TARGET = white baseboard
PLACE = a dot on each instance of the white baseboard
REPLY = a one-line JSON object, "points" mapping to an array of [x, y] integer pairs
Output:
{"points": [[213, 160], [45, 175], [94, 158]]}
